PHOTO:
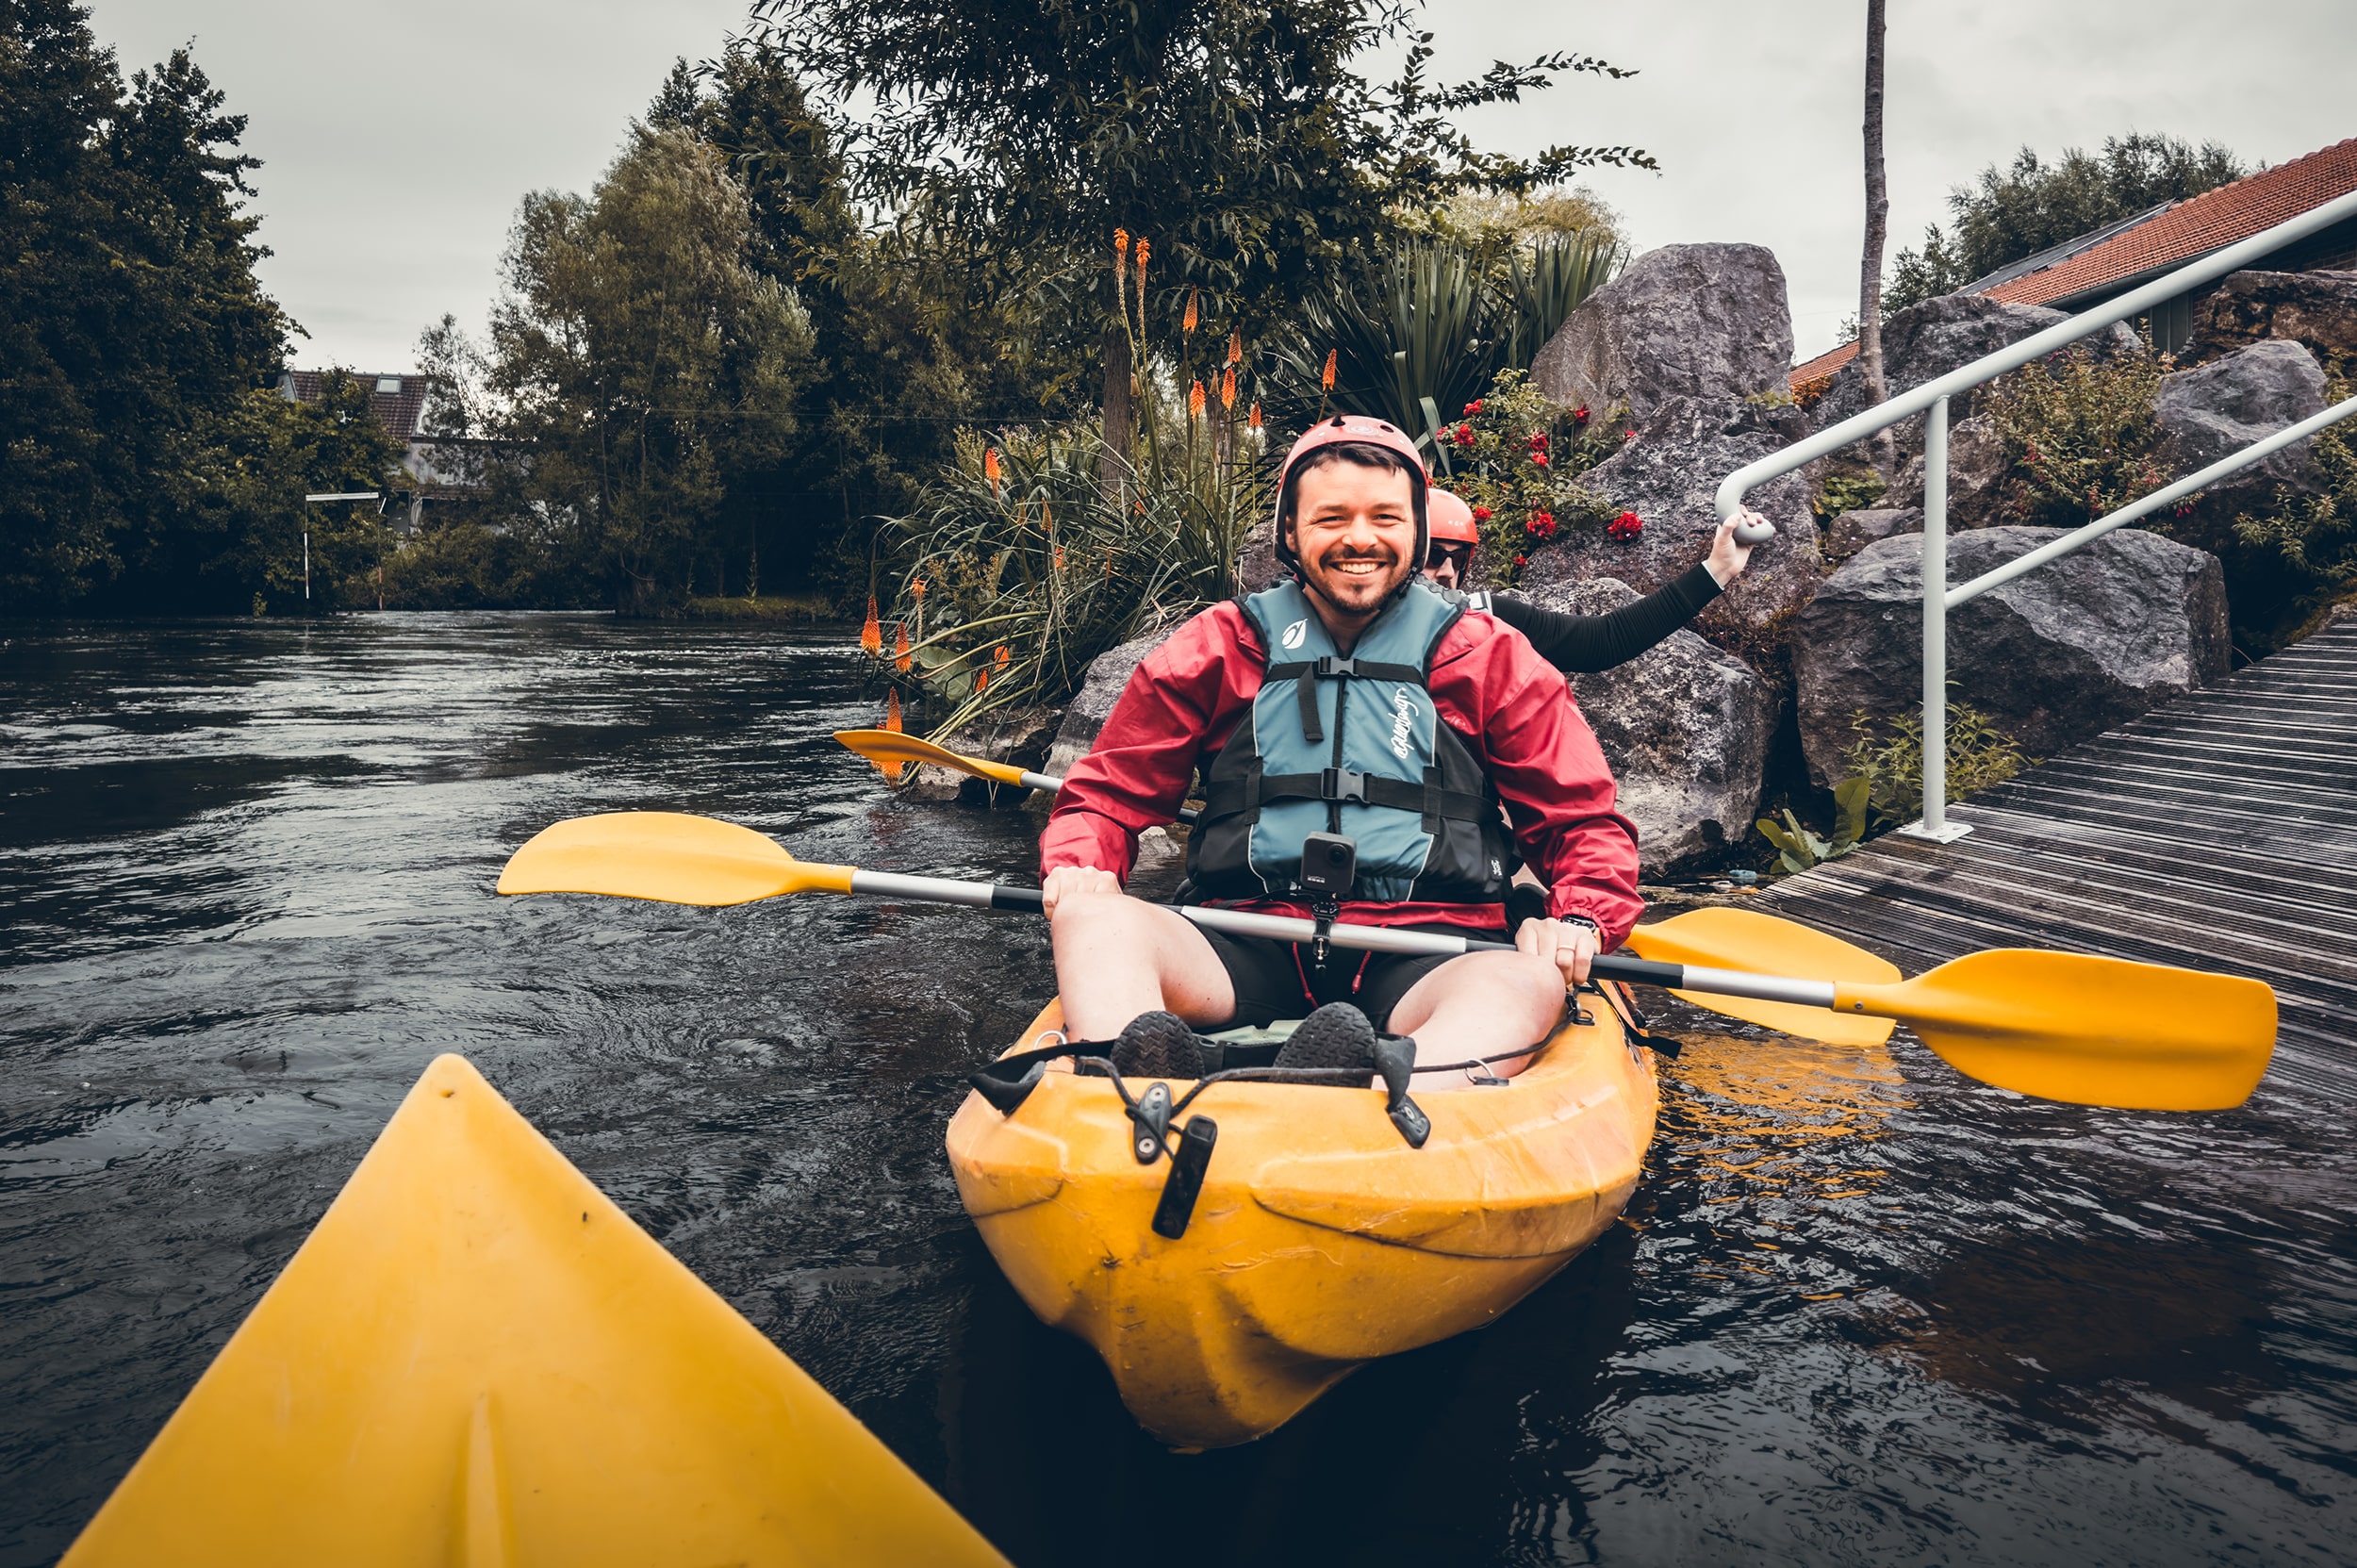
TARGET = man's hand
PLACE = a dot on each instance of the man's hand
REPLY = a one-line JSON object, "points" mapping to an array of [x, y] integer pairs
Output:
{"points": [[1728, 559], [1569, 945], [1074, 879]]}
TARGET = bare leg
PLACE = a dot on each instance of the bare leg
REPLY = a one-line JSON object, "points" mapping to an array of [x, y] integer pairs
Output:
{"points": [[1117, 957], [1478, 1005]]}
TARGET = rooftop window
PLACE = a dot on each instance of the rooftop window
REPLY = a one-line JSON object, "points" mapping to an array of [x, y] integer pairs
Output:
{"points": [[389, 383]]}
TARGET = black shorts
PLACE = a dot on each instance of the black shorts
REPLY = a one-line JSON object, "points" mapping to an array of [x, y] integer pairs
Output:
{"points": [[1281, 979]]}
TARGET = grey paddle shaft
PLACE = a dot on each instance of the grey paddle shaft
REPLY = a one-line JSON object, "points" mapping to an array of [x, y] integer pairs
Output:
{"points": [[1749, 533], [1052, 785], [1382, 939], [1637, 971]]}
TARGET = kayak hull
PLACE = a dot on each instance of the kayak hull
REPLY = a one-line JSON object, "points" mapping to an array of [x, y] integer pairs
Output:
{"points": [[1320, 1239]]}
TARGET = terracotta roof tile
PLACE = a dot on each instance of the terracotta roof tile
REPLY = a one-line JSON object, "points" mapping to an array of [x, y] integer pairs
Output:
{"points": [[2196, 226], [1824, 364], [2190, 229], [398, 412]]}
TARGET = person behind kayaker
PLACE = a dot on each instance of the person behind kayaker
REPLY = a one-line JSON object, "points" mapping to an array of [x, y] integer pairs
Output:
{"points": [[1353, 699], [1582, 644]]}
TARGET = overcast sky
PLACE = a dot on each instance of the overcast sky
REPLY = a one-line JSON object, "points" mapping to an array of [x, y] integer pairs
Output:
{"points": [[398, 138]]}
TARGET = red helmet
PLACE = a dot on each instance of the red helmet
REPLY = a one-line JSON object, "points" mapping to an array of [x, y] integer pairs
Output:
{"points": [[1451, 519], [1353, 430]]}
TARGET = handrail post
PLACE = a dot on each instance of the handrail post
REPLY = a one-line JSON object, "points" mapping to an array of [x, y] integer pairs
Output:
{"points": [[1933, 824]]}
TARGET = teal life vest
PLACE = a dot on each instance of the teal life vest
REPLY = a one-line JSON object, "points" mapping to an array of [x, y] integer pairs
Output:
{"points": [[1350, 745]]}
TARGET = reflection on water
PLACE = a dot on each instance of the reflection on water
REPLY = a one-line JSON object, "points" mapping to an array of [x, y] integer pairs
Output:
{"points": [[1861, 1311]]}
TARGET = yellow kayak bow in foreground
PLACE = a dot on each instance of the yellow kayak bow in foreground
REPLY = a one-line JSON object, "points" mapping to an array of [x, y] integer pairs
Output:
{"points": [[477, 1358]]}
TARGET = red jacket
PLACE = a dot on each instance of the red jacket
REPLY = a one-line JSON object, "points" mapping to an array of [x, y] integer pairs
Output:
{"points": [[1513, 709]]}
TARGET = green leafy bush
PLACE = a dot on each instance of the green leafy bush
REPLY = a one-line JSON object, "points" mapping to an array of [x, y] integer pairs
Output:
{"points": [[1514, 454], [1843, 491], [2079, 434], [1798, 848], [1979, 757], [2301, 556]]}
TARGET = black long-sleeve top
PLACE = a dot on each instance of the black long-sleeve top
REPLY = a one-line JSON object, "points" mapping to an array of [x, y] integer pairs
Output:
{"points": [[1580, 644]]}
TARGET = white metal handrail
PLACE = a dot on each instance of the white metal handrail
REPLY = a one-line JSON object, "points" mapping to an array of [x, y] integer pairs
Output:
{"points": [[1931, 399]]}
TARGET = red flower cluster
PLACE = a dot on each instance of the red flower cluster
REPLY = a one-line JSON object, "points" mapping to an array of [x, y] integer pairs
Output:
{"points": [[1472, 408], [1579, 415], [1481, 514], [1541, 526], [1628, 434], [1461, 436], [1626, 526], [1522, 560]]}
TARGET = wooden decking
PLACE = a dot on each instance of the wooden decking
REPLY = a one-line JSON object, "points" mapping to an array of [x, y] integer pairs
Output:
{"points": [[2218, 831]]}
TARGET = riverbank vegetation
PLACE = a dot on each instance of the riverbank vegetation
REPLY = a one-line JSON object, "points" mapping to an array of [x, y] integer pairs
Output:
{"points": [[829, 271]]}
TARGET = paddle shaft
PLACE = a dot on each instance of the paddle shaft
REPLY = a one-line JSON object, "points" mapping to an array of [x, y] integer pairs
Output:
{"points": [[1384, 939]]}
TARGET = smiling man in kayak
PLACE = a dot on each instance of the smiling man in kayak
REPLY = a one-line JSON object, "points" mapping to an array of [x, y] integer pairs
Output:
{"points": [[1356, 728]]}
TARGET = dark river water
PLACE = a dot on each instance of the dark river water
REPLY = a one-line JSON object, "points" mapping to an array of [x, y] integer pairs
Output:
{"points": [[1861, 1311]]}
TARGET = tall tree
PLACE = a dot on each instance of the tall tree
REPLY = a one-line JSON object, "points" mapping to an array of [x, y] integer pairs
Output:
{"points": [[131, 322], [1870, 295], [643, 360], [1239, 137]]}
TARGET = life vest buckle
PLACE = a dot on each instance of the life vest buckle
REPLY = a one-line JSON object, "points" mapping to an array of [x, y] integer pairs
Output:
{"points": [[1342, 786], [1332, 667]]}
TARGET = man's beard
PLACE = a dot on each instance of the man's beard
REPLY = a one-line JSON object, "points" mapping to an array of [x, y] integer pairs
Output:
{"points": [[1354, 592]]}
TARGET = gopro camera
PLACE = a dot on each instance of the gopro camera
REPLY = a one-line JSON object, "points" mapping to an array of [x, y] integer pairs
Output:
{"points": [[1329, 863]]}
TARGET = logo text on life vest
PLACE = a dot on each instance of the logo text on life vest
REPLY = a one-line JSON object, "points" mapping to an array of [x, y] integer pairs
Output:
{"points": [[1294, 633], [1403, 722]]}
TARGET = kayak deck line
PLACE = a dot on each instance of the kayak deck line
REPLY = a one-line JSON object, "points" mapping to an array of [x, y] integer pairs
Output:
{"points": [[1319, 1240], [477, 1357]]}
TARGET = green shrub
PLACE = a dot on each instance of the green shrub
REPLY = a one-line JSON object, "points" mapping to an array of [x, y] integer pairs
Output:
{"points": [[1515, 455], [2304, 551], [2079, 434], [1979, 757], [1844, 490], [1798, 848]]}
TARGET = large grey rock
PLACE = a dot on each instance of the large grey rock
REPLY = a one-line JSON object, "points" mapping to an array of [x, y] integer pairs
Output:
{"points": [[1085, 714], [1256, 566], [1686, 728], [1685, 320], [1854, 531], [2317, 310], [1927, 340], [1668, 476], [2080, 646], [2223, 406], [1977, 471]]}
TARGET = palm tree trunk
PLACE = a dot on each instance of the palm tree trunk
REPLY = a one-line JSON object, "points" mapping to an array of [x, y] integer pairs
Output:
{"points": [[1113, 464], [1869, 294]]}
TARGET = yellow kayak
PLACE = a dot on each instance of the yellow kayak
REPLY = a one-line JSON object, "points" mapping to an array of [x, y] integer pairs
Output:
{"points": [[477, 1358], [1320, 1239]]}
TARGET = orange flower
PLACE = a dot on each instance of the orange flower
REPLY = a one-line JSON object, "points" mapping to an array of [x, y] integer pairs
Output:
{"points": [[1235, 347], [1227, 389], [1121, 242], [871, 634], [1004, 655], [1326, 382], [1256, 416], [1145, 248], [981, 677], [990, 470], [892, 711], [1060, 557], [917, 587], [901, 659], [1194, 400], [1194, 298]]}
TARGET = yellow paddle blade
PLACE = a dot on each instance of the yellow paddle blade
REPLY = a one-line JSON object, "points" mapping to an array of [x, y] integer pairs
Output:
{"points": [[2085, 1030], [665, 856], [476, 1358], [1758, 943], [884, 745]]}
